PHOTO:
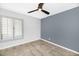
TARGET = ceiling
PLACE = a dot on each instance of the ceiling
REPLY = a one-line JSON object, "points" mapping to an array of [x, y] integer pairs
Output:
{"points": [[53, 8]]}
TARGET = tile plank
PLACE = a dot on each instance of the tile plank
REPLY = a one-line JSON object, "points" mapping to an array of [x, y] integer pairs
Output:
{"points": [[36, 48]]}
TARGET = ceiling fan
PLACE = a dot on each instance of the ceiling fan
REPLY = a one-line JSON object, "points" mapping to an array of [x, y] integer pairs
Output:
{"points": [[40, 7]]}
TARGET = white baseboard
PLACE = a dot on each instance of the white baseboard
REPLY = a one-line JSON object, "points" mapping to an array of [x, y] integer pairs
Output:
{"points": [[8, 44], [4, 46], [61, 46]]}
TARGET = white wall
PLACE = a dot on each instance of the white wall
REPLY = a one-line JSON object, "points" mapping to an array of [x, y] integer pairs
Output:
{"points": [[31, 29]]}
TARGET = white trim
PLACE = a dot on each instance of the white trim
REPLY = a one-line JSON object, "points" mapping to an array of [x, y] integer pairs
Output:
{"points": [[4, 47], [61, 46], [9, 44]]}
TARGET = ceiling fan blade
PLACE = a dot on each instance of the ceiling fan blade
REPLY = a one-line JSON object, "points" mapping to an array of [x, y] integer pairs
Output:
{"points": [[32, 11], [45, 11]]}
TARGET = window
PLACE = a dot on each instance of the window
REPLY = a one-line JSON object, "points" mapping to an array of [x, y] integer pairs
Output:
{"points": [[7, 28], [18, 29], [11, 28]]}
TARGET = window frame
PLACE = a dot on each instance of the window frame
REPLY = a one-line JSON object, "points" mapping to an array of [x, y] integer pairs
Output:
{"points": [[13, 18]]}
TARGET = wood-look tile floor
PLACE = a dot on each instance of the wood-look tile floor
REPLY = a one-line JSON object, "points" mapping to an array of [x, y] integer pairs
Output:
{"points": [[36, 48]]}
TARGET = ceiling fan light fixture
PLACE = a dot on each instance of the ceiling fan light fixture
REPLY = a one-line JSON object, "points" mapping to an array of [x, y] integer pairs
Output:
{"points": [[40, 8]]}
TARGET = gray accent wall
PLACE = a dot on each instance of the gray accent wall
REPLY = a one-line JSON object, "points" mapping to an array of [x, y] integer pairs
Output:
{"points": [[62, 29]]}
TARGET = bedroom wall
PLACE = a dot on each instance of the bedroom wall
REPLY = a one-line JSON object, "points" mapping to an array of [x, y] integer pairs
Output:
{"points": [[31, 29], [62, 29]]}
